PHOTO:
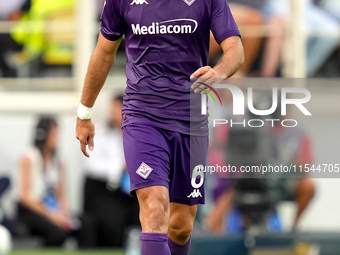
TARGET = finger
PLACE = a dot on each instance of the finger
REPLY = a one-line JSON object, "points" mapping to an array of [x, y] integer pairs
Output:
{"points": [[205, 85], [200, 71], [83, 149], [209, 81], [201, 82], [197, 83], [201, 88], [204, 73], [209, 74], [91, 142]]}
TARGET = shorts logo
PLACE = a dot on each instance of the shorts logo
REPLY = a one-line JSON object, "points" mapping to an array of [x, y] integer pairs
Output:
{"points": [[195, 194], [189, 2], [137, 2], [144, 170]]}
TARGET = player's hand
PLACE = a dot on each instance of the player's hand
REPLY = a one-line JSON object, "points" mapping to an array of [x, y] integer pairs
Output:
{"points": [[206, 76], [85, 134]]}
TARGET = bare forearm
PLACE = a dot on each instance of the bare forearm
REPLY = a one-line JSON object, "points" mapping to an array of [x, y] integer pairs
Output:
{"points": [[232, 58], [100, 64], [36, 207], [63, 203], [98, 70]]}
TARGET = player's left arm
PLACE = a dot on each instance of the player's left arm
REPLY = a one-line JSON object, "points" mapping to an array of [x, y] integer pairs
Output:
{"points": [[231, 60]]}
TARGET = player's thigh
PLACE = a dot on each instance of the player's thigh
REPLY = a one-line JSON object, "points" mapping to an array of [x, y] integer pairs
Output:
{"points": [[146, 155]]}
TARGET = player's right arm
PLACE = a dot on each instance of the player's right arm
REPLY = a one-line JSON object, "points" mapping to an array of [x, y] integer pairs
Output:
{"points": [[100, 64]]}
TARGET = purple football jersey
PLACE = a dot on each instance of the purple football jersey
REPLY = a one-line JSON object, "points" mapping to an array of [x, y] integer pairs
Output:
{"points": [[166, 41]]}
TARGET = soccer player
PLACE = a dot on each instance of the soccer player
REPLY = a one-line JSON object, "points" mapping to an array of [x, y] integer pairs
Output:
{"points": [[167, 45]]}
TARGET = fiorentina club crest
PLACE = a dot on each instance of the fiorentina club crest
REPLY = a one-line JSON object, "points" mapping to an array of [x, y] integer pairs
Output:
{"points": [[144, 170], [189, 2]]}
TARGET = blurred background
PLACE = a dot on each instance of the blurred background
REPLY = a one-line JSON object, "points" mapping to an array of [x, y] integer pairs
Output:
{"points": [[45, 47]]}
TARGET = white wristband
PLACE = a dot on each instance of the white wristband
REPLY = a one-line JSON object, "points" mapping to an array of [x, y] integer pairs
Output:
{"points": [[84, 112]]}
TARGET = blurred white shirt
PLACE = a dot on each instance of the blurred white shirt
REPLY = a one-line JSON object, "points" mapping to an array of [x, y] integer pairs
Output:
{"points": [[41, 180], [106, 162]]}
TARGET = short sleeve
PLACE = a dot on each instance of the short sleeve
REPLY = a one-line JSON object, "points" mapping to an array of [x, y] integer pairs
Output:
{"points": [[112, 25], [222, 22]]}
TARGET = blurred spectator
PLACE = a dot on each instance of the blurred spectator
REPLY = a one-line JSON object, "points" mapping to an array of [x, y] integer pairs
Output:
{"points": [[325, 42], [43, 205], [246, 13], [105, 201], [276, 15], [52, 47], [292, 146], [10, 11], [328, 26], [321, 26], [319, 47]]}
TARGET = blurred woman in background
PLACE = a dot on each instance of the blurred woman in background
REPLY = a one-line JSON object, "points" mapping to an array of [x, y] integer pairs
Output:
{"points": [[42, 199]]}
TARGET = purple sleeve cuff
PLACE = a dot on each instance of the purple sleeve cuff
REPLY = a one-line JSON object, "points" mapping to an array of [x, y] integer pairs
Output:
{"points": [[224, 36], [110, 37]]}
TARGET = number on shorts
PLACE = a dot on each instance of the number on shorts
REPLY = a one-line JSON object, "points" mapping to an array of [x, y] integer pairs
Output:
{"points": [[197, 172]]}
